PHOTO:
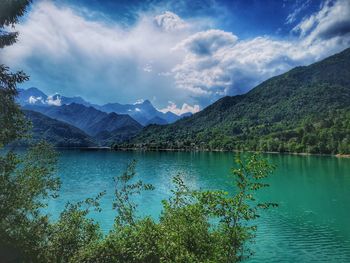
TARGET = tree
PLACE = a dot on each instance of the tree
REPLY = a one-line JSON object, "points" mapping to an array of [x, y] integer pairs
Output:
{"points": [[25, 182], [194, 226], [236, 211], [125, 206], [184, 233], [72, 232], [10, 12], [12, 123]]}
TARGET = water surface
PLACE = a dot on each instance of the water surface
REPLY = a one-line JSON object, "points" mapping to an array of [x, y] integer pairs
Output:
{"points": [[311, 224]]}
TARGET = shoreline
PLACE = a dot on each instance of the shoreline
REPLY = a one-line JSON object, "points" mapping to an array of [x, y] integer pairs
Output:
{"points": [[95, 148], [103, 148], [342, 155], [232, 151]]}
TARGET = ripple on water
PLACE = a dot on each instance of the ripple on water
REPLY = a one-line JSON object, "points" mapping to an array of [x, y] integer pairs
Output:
{"points": [[283, 238], [313, 193]]}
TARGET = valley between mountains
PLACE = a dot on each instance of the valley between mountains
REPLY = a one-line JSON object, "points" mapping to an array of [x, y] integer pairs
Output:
{"points": [[74, 122], [305, 110]]}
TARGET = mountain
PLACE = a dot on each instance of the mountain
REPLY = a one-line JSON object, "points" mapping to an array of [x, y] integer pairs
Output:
{"points": [[114, 122], [31, 96], [88, 119], [34, 96], [186, 114], [157, 120], [58, 133], [304, 110], [77, 100], [142, 111], [116, 136], [170, 117]]}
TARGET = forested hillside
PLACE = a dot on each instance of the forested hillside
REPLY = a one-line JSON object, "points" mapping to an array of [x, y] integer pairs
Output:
{"points": [[304, 110], [59, 134]]}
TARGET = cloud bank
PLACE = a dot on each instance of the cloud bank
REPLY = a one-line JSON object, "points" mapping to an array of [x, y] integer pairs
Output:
{"points": [[62, 50], [172, 107], [163, 56], [218, 63]]}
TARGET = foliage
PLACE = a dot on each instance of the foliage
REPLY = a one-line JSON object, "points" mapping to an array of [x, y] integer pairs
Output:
{"points": [[185, 231], [28, 180], [123, 203], [304, 110], [73, 231], [98, 126], [195, 226], [12, 121], [10, 11], [25, 183], [58, 133]]}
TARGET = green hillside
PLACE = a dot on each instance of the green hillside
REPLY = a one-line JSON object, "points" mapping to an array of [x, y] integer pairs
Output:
{"points": [[60, 134], [304, 110]]}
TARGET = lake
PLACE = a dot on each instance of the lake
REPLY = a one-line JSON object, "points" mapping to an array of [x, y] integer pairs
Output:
{"points": [[312, 222]]}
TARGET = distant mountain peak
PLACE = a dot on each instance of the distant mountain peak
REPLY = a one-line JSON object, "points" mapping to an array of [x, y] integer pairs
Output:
{"points": [[34, 89], [142, 110], [145, 102], [140, 101], [113, 114]]}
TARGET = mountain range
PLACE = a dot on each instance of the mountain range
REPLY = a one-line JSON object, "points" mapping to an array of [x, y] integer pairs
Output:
{"points": [[59, 133], [88, 119], [304, 110], [87, 124], [142, 111]]}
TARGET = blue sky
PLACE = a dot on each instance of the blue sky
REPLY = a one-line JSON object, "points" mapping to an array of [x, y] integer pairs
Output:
{"points": [[181, 55]]}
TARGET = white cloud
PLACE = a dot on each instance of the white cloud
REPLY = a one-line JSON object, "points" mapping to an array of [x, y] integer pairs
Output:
{"points": [[233, 67], [33, 100], [172, 107], [217, 63], [292, 17], [333, 20], [148, 68], [169, 21], [208, 42], [62, 50], [54, 100], [139, 101]]}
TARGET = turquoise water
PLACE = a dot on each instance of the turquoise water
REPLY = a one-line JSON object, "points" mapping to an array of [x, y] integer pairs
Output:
{"points": [[312, 223]]}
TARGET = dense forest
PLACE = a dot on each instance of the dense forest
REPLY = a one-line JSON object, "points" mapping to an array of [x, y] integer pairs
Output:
{"points": [[304, 110]]}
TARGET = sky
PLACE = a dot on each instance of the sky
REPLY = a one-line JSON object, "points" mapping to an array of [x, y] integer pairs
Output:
{"points": [[181, 55]]}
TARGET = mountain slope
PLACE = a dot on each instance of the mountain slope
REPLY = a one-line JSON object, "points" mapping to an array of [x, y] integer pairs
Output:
{"points": [[88, 119], [58, 133], [144, 112], [31, 96], [119, 135], [34, 96], [113, 121], [157, 120], [304, 110]]}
